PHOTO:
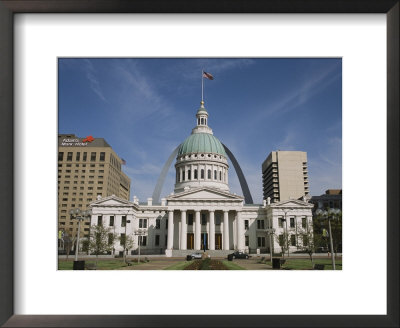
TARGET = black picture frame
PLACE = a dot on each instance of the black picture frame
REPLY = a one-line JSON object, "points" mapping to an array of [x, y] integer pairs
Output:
{"points": [[10, 7]]}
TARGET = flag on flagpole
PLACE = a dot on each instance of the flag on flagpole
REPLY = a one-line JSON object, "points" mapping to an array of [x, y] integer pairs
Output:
{"points": [[123, 161], [208, 76]]}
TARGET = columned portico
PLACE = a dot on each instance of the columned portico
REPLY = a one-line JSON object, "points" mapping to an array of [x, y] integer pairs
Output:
{"points": [[212, 231], [183, 230], [197, 238], [226, 230], [170, 230]]}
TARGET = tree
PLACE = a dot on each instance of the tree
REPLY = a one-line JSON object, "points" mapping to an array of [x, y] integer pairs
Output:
{"points": [[101, 240], [284, 242], [311, 241], [127, 242], [321, 226], [336, 227], [68, 243]]}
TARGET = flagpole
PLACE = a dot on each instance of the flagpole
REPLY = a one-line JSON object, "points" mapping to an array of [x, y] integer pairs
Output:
{"points": [[202, 86]]}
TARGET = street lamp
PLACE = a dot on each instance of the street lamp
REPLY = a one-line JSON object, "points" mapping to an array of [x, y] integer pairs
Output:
{"points": [[287, 236], [79, 215], [270, 233], [125, 250], [329, 214], [139, 233]]}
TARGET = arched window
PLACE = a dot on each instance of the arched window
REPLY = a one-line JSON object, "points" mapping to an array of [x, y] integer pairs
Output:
{"points": [[209, 174], [189, 175], [220, 175], [202, 121], [195, 174], [205, 121], [178, 178], [202, 174], [198, 121], [215, 174], [183, 175]]}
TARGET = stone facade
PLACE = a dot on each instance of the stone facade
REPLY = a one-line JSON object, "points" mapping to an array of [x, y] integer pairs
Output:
{"points": [[201, 212]]}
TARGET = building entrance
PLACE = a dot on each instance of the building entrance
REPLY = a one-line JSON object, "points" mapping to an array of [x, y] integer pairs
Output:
{"points": [[204, 241], [218, 241], [190, 241]]}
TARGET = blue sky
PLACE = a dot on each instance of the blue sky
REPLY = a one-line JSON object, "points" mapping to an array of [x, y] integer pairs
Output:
{"points": [[145, 108]]}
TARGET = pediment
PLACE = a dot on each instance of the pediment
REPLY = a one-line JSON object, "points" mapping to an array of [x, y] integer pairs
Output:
{"points": [[205, 194], [111, 201], [291, 203]]}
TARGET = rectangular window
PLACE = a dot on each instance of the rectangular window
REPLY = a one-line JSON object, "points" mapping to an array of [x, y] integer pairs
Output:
{"points": [[69, 156], [261, 241], [102, 156], [123, 221], [142, 223], [110, 239], [158, 224], [292, 222], [190, 219], [122, 239], [304, 223], [203, 219], [100, 220], [260, 224], [280, 222], [84, 156], [60, 156], [246, 224], [78, 156], [305, 240], [246, 240], [293, 240], [93, 156], [157, 242], [143, 240], [166, 240], [111, 221], [281, 240]]}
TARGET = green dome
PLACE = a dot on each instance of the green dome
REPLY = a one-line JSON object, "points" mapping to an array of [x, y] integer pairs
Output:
{"points": [[201, 143]]}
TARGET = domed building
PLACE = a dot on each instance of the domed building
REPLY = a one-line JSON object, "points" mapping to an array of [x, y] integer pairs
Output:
{"points": [[201, 213], [201, 159]]}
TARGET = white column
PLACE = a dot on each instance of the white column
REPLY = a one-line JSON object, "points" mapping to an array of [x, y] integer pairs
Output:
{"points": [[226, 231], [211, 232], [183, 231], [197, 236], [170, 240], [240, 231]]}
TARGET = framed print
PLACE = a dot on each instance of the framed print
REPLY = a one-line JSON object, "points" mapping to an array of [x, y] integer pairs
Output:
{"points": [[33, 293]]}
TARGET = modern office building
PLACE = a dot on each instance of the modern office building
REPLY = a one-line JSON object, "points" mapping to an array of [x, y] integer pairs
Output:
{"points": [[331, 199], [285, 175], [201, 212], [87, 168]]}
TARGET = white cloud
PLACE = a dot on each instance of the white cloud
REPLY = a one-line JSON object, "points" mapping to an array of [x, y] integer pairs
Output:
{"points": [[93, 81]]}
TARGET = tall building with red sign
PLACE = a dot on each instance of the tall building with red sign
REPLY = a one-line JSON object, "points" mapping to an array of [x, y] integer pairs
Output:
{"points": [[87, 168]]}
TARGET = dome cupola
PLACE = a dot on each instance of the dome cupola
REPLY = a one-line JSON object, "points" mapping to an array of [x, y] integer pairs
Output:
{"points": [[201, 159]]}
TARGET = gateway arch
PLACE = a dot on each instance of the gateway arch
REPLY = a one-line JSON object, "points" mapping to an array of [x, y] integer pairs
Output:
{"points": [[242, 180]]}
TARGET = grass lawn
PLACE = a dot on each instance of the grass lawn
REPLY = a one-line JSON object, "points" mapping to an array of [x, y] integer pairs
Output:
{"points": [[101, 264], [179, 265], [304, 264], [232, 266]]}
